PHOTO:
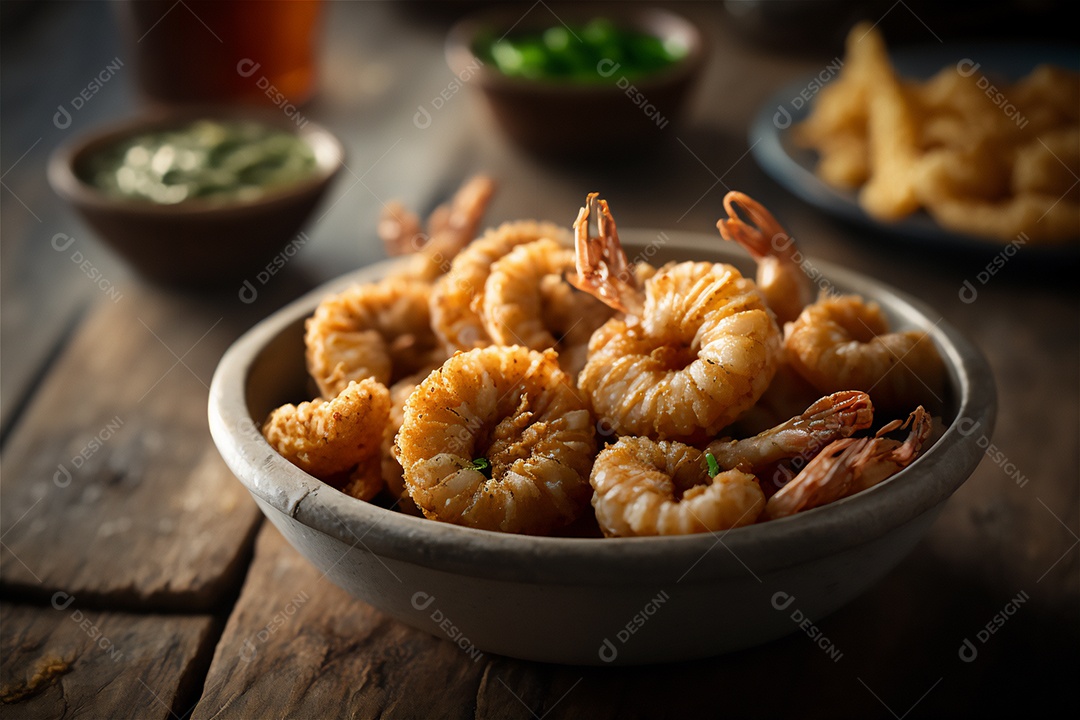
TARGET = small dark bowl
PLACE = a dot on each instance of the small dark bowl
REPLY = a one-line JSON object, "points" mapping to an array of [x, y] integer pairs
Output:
{"points": [[564, 119], [196, 242]]}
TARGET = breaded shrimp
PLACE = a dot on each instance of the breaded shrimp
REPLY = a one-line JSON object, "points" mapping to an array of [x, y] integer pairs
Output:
{"points": [[527, 301], [450, 228], [392, 473], [457, 298], [780, 278], [850, 465], [327, 438], [649, 487], [379, 330], [844, 343], [832, 417], [701, 349], [498, 439], [787, 396]]}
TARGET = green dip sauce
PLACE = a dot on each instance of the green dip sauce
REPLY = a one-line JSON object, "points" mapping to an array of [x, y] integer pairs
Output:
{"points": [[230, 161], [598, 52]]}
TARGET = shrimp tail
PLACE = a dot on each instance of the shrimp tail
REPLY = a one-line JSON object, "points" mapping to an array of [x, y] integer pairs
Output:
{"points": [[602, 267], [764, 237], [831, 418], [400, 230], [450, 227], [828, 477], [463, 215], [786, 286], [842, 412], [903, 454], [851, 465]]}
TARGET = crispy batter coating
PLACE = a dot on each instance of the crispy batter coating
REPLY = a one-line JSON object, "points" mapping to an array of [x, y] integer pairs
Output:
{"points": [[705, 350], [378, 330], [515, 410], [457, 298], [650, 487], [844, 343], [329, 437], [527, 301]]}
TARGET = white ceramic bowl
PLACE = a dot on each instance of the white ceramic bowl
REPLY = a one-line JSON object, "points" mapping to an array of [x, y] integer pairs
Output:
{"points": [[594, 601]]}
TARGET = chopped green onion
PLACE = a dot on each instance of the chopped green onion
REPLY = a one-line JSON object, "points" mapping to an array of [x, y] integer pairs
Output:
{"points": [[597, 52], [557, 39], [483, 466], [714, 467]]}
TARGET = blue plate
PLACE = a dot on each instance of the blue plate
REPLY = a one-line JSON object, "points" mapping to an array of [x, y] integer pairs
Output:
{"points": [[793, 166]]}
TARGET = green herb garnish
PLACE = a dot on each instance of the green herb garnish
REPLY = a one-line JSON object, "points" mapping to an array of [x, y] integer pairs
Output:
{"points": [[714, 467], [596, 52], [483, 466]]}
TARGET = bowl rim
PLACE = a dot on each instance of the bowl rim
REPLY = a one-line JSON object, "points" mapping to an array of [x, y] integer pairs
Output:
{"points": [[66, 182], [465, 63], [759, 549]]}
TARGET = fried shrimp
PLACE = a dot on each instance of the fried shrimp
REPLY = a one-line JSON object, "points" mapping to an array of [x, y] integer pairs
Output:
{"points": [[851, 465], [780, 277], [527, 301], [650, 487], [457, 298], [392, 473], [450, 228], [379, 330], [328, 438], [844, 343], [498, 439], [832, 417], [701, 350]]}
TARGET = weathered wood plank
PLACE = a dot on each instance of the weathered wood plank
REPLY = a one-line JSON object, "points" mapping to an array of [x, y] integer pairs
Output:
{"points": [[42, 289], [113, 490], [61, 661], [296, 645]]}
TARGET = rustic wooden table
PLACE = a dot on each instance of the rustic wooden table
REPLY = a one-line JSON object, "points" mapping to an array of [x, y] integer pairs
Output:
{"points": [[137, 578]]}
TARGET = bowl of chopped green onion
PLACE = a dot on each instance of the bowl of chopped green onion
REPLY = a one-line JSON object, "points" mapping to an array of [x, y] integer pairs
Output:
{"points": [[578, 81], [198, 196]]}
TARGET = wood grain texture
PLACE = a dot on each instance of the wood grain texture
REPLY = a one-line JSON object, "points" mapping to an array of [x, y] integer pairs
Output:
{"points": [[152, 519], [113, 490], [296, 645], [63, 662]]}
